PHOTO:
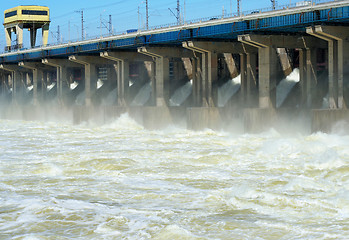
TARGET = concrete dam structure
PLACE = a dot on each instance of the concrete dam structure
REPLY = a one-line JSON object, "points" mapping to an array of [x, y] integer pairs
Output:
{"points": [[252, 71]]}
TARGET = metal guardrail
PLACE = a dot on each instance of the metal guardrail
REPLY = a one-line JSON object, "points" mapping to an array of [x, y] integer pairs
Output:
{"points": [[199, 20]]}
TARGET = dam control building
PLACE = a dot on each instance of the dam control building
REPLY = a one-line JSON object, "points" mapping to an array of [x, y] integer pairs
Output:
{"points": [[26, 17]]}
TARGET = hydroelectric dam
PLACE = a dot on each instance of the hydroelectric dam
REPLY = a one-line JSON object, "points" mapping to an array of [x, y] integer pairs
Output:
{"points": [[250, 71]]}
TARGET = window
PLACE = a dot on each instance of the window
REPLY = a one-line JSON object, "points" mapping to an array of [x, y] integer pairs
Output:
{"points": [[10, 14], [34, 12]]}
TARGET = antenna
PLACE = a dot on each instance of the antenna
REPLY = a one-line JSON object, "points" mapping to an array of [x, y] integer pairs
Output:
{"points": [[238, 4]]}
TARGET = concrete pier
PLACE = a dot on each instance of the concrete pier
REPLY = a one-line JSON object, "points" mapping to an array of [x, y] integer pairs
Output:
{"points": [[338, 73], [159, 115]]}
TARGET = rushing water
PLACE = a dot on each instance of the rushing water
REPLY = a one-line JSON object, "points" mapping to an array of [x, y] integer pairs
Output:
{"points": [[121, 181]]}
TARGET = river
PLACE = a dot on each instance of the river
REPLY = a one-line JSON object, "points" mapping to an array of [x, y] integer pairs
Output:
{"points": [[121, 181]]}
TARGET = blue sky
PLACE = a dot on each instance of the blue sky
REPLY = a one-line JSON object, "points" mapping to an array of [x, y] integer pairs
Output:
{"points": [[65, 14]]}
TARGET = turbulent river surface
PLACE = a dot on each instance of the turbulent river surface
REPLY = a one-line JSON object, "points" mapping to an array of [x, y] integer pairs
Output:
{"points": [[121, 181]]}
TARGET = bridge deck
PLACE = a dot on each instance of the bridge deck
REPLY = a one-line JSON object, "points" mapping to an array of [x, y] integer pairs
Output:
{"points": [[291, 20]]}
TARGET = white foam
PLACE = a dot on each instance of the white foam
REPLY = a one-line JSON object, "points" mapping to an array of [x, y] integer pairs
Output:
{"points": [[174, 232], [99, 83], [122, 181], [111, 98], [124, 122], [143, 95], [181, 94], [52, 85], [29, 88], [73, 85], [227, 90], [285, 87], [80, 99]]}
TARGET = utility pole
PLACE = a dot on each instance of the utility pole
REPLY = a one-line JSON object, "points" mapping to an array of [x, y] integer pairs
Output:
{"points": [[82, 23], [110, 26], [274, 4], [107, 25], [147, 15], [100, 25], [184, 12], [178, 13], [58, 34], [69, 30]]}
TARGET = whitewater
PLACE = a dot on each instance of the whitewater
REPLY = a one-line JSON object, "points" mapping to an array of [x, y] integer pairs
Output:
{"points": [[121, 181]]}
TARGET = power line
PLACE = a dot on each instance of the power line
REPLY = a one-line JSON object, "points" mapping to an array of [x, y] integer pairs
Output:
{"points": [[90, 8]]}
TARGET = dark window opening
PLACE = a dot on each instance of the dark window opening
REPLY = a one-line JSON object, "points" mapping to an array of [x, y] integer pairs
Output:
{"points": [[34, 12], [10, 14]]}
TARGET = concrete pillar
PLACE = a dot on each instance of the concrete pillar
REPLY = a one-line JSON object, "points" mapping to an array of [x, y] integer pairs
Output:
{"points": [[3, 85], [122, 61], [196, 76], [338, 60], [122, 81], [251, 77], [267, 60], [8, 38], [45, 33], [33, 31], [209, 70], [267, 77], [228, 57], [160, 115], [311, 77], [63, 80], [90, 82], [161, 57], [162, 81], [19, 32], [39, 84], [179, 69], [206, 52], [284, 60], [212, 69], [303, 77], [243, 76], [89, 64], [338, 68], [152, 76], [15, 78], [188, 67]]}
